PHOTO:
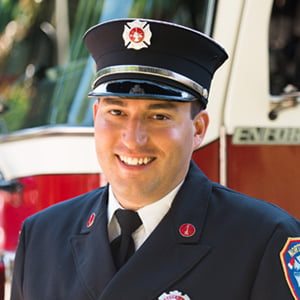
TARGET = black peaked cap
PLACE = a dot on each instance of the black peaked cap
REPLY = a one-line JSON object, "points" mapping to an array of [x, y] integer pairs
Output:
{"points": [[172, 57]]}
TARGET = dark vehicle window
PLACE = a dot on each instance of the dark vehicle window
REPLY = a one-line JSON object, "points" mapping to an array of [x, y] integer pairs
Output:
{"points": [[284, 45]]}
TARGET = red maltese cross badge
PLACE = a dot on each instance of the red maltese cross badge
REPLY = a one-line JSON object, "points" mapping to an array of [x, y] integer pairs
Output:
{"points": [[137, 35]]}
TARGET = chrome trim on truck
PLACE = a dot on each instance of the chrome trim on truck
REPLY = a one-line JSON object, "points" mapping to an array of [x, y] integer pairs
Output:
{"points": [[43, 131]]}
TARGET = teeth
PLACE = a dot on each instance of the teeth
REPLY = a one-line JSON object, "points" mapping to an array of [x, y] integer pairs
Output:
{"points": [[135, 161]]}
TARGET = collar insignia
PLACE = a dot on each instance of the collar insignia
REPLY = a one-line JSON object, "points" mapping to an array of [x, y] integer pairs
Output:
{"points": [[137, 35], [290, 260], [174, 295], [187, 230], [91, 220]]}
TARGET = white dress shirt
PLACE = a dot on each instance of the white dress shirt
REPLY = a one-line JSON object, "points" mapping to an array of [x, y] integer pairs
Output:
{"points": [[150, 215]]}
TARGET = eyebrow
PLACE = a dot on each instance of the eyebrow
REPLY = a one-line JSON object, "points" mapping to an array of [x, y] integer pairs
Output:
{"points": [[113, 101], [159, 105], [163, 105]]}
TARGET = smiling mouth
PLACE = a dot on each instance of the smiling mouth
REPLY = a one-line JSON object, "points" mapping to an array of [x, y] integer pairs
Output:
{"points": [[131, 161]]}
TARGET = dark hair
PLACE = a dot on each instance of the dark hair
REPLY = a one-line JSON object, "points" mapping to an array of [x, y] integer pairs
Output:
{"points": [[196, 107]]}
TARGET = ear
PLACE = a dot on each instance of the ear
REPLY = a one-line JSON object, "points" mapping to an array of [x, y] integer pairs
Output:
{"points": [[201, 122], [95, 108]]}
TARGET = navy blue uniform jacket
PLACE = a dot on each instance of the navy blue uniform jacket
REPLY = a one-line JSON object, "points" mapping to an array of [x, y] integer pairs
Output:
{"points": [[233, 255]]}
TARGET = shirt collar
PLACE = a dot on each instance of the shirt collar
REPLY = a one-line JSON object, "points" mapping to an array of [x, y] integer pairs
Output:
{"points": [[150, 215], [153, 213]]}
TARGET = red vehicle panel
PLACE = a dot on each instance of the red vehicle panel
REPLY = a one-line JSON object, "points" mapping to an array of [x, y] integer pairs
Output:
{"points": [[270, 171], [38, 193]]}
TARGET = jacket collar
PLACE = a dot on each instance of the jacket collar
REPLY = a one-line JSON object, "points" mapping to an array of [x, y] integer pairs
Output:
{"points": [[168, 254], [91, 248]]}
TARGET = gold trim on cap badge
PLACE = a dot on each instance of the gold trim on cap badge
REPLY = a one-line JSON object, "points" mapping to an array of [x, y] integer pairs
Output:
{"points": [[137, 35]]}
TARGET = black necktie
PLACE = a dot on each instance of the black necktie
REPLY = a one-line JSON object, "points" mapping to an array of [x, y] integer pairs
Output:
{"points": [[123, 246]]}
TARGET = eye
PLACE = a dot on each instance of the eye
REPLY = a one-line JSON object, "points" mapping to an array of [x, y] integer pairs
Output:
{"points": [[160, 117], [116, 112]]}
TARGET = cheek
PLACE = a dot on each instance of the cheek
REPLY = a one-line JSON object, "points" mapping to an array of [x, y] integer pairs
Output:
{"points": [[104, 127], [103, 134], [99, 121], [178, 140], [187, 143]]}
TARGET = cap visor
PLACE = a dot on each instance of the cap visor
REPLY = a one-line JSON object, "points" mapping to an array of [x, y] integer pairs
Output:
{"points": [[140, 89]]}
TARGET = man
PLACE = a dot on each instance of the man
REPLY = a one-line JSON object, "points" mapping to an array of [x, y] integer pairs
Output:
{"points": [[193, 239]]}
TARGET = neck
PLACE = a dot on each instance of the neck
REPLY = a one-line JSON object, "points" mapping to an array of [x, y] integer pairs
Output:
{"points": [[135, 202]]}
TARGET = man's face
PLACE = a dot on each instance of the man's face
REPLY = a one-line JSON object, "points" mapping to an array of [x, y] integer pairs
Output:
{"points": [[144, 147]]}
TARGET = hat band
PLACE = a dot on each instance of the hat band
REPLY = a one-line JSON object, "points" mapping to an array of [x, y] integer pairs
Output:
{"points": [[152, 71]]}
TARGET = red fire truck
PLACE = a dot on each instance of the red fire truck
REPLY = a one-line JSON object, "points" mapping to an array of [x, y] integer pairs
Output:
{"points": [[46, 135]]}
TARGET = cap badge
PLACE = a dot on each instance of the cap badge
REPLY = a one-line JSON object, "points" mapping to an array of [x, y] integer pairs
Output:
{"points": [[137, 35], [137, 89], [290, 260], [174, 295], [187, 230]]}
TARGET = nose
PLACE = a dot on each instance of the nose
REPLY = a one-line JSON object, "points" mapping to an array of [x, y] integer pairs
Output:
{"points": [[135, 133]]}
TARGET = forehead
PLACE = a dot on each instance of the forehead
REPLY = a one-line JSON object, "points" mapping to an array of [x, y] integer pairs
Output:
{"points": [[148, 104]]}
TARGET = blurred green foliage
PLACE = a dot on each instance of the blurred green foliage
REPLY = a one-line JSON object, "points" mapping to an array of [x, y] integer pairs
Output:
{"points": [[38, 89]]}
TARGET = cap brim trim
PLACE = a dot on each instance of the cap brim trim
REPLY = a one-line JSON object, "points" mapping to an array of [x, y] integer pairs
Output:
{"points": [[141, 96], [146, 70], [141, 89]]}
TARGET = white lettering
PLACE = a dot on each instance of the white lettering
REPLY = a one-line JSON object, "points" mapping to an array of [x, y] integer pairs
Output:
{"points": [[266, 135]]}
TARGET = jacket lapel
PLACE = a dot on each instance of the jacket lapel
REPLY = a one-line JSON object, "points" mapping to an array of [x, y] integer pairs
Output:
{"points": [[91, 250], [167, 255]]}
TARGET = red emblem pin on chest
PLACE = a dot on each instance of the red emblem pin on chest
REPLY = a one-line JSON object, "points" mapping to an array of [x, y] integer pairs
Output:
{"points": [[187, 230], [91, 220]]}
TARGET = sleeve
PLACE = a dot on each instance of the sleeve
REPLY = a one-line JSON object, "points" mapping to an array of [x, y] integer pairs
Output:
{"points": [[18, 273], [275, 279]]}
